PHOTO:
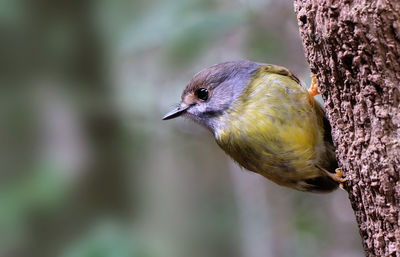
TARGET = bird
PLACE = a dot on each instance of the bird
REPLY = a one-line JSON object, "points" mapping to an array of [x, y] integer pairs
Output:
{"points": [[266, 121]]}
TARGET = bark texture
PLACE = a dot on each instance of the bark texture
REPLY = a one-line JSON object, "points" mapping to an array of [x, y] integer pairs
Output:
{"points": [[354, 48]]}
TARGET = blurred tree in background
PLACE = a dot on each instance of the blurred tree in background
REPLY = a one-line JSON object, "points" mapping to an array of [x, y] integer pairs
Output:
{"points": [[89, 169]]}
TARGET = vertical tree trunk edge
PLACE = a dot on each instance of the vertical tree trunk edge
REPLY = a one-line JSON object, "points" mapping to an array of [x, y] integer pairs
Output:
{"points": [[354, 49]]}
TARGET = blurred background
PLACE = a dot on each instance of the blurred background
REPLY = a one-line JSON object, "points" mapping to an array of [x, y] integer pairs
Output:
{"points": [[87, 166]]}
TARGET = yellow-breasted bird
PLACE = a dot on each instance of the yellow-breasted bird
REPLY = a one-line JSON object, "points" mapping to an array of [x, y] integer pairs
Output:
{"points": [[266, 121]]}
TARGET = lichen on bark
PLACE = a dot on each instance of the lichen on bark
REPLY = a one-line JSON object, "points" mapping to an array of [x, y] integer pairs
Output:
{"points": [[354, 49]]}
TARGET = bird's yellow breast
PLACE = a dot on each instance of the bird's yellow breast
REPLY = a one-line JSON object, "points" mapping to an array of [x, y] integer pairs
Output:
{"points": [[273, 129]]}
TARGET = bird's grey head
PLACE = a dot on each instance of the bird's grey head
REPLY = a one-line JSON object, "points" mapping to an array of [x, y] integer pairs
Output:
{"points": [[212, 91]]}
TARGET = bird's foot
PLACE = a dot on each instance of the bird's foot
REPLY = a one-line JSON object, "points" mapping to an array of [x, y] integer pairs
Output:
{"points": [[338, 177], [313, 90]]}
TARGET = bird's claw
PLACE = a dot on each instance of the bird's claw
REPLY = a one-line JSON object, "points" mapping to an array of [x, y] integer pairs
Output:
{"points": [[313, 90], [338, 177]]}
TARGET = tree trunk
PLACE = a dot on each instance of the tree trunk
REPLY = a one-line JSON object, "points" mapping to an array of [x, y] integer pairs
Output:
{"points": [[354, 49]]}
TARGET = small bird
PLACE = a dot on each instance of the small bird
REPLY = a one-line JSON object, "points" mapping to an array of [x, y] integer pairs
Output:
{"points": [[263, 118]]}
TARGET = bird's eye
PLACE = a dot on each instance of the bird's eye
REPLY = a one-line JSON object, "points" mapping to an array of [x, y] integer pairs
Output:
{"points": [[202, 93]]}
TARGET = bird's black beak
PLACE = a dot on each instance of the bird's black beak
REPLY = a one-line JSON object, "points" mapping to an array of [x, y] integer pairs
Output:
{"points": [[175, 112]]}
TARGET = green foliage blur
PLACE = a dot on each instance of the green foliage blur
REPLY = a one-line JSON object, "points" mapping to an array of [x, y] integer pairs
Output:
{"points": [[87, 166]]}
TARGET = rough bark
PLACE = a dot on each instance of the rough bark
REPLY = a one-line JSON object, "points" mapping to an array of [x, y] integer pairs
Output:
{"points": [[354, 48]]}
